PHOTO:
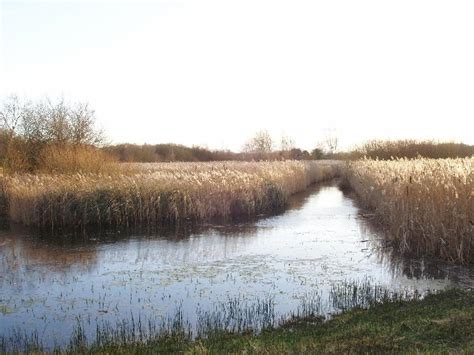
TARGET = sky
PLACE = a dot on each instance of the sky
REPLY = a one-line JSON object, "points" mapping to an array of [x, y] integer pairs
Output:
{"points": [[213, 72]]}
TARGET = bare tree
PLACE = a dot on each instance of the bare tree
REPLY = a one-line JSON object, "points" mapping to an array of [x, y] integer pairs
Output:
{"points": [[261, 143], [29, 127], [287, 143], [11, 114], [11, 120], [331, 142], [82, 120]]}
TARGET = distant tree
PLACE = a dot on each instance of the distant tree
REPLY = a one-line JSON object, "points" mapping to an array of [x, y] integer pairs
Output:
{"points": [[167, 152], [10, 118], [287, 143], [298, 154], [82, 122], [261, 144], [409, 148], [317, 153], [30, 127], [331, 142], [11, 114]]}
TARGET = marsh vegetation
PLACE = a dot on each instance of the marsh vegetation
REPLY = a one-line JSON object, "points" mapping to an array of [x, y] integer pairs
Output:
{"points": [[427, 205], [263, 247], [360, 305], [158, 194], [438, 323], [319, 257]]}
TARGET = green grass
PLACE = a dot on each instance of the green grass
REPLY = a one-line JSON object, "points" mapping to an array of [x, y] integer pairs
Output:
{"points": [[441, 323]]}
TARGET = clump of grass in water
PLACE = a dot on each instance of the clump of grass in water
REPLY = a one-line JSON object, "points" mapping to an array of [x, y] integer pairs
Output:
{"points": [[236, 315], [363, 294], [311, 306], [133, 330], [20, 341]]}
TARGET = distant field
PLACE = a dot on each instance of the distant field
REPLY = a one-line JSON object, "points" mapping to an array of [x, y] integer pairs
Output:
{"points": [[426, 204], [137, 195]]}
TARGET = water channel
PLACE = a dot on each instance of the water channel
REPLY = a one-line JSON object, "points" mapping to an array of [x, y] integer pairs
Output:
{"points": [[47, 285]]}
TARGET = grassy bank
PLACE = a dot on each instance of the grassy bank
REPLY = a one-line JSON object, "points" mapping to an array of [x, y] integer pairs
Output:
{"points": [[439, 323], [148, 195], [427, 205]]}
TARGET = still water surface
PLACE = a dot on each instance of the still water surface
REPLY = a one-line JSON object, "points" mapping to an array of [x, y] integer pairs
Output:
{"points": [[322, 239]]}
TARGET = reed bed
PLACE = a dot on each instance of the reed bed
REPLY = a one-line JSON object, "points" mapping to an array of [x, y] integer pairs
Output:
{"points": [[149, 195], [427, 205]]}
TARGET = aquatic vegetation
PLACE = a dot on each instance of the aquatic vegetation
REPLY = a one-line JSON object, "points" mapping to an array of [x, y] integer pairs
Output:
{"points": [[232, 317], [5, 309], [427, 205], [158, 194]]}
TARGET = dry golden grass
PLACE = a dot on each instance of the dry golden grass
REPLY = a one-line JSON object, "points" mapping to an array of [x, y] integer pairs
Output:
{"points": [[73, 159], [427, 204], [142, 195]]}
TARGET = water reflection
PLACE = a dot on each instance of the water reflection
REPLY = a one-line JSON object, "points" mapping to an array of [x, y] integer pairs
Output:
{"points": [[410, 267], [48, 283]]}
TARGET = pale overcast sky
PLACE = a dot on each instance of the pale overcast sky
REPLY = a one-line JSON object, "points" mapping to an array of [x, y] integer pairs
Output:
{"points": [[214, 72]]}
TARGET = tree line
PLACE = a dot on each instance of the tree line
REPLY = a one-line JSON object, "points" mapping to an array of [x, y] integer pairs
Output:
{"points": [[57, 136]]}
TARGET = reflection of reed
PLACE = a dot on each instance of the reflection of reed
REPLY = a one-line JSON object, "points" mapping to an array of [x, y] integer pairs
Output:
{"points": [[209, 242], [78, 250], [298, 200], [405, 265], [20, 252], [196, 250]]}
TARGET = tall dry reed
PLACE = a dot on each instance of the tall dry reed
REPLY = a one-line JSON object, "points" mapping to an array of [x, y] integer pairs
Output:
{"points": [[142, 195], [427, 204], [70, 159]]}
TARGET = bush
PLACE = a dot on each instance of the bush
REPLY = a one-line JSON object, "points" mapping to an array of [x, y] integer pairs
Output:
{"points": [[57, 134]]}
